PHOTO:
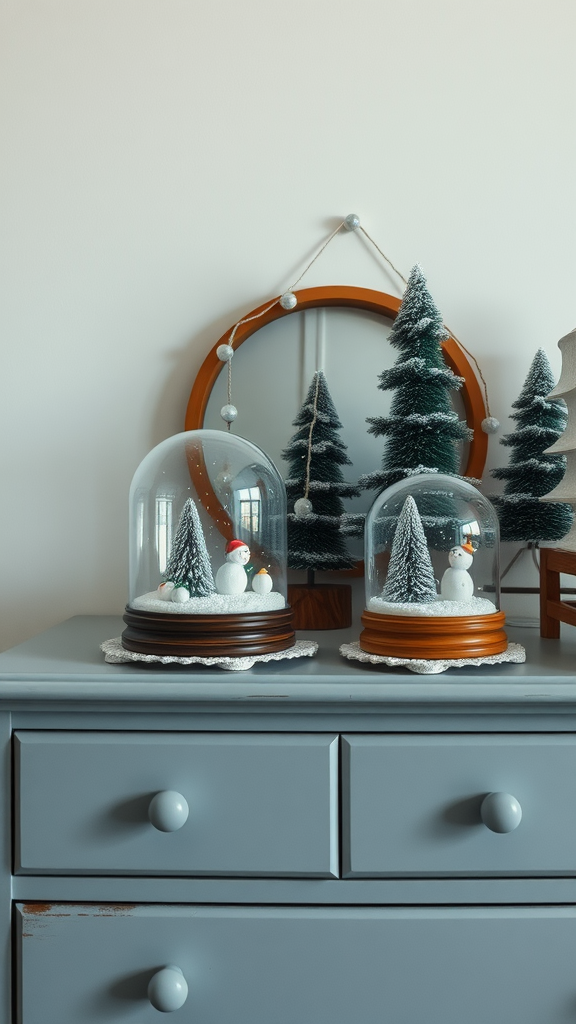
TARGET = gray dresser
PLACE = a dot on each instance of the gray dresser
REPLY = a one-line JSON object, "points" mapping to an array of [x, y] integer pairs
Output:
{"points": [[311, 842]]}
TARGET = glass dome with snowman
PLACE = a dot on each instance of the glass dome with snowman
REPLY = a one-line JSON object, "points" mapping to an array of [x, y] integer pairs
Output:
{"points": [[432, 572], [207, 541]]}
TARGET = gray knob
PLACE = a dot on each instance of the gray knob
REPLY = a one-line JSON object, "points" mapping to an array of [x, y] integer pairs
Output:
{"points": [[501, 812], [167, 989], [168, 811]]}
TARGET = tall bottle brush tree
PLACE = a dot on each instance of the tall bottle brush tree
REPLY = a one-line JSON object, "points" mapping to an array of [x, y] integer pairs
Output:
{"points": [[189, 562], [531, 473], [410, 578], [315, 540], [422, 429]]}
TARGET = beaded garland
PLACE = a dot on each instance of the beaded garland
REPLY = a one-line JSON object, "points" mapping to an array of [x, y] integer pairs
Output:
{"points": [[288, 301]]}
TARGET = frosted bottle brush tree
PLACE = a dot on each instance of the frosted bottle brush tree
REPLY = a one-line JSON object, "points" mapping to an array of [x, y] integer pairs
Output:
{"points": [[410, 578], [422, 429], [315, 540], [189, 562], [531, 473]]}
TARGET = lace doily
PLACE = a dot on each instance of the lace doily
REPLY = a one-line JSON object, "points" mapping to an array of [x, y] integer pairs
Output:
{"points": [[117, 655], [514, 653]]}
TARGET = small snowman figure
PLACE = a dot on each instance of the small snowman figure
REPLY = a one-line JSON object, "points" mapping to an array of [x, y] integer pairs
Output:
{"points": [[262, 582], [231, 577], [457, 583]]}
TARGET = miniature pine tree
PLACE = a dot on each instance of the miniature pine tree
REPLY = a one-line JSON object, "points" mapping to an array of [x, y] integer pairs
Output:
{"points": [[189, 562], [410, 578], [531, 473], [315, 541], [422, 429]]}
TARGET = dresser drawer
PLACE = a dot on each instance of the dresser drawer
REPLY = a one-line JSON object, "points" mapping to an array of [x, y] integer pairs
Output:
{"points": [[412, 805], [258, 804], [249, 965]]}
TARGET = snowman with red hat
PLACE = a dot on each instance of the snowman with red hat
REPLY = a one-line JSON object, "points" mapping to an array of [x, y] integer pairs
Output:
{"points": [[231, 577], [457, 583]]}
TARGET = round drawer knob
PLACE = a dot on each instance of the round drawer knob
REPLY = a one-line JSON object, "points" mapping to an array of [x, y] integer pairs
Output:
{"points": [[167, 989], [501, 812], [168, 811]]}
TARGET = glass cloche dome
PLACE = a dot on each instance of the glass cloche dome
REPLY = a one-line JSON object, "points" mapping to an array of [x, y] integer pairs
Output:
{"points": [[207, 539], [432, 571]]}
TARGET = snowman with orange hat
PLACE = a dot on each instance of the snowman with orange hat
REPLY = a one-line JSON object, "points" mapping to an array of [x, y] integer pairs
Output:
{"points": [[457, 583], [231, 577]]}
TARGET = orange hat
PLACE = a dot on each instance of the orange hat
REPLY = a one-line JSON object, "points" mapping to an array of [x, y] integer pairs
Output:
{"points": [[468, 547]]}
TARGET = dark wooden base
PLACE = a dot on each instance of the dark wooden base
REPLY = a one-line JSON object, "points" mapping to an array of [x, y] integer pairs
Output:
{"points": [[321, 606], [412, 636], [208, 636]]}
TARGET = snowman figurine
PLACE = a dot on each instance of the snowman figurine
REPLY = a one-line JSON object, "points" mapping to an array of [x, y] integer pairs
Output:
{"points": [[457, 583], [262, 582], [231, 577]]}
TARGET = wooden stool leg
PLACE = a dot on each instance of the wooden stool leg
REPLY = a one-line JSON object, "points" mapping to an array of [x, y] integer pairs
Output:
{"points": [[549, 591]]}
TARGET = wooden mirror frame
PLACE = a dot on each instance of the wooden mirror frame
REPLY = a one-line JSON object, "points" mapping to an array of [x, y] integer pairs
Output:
{"points": [[356, 298]]}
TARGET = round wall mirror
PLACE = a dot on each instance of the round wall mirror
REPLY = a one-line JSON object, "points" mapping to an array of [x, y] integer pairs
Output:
{"points": [[343, 331]]}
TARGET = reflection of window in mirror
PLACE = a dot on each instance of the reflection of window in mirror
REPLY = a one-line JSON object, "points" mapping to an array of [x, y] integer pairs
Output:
{"points": [[163, 531], [273, 370], [249, 503]]}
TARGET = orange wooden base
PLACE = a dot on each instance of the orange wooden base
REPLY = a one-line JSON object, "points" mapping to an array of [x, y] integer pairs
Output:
{"points": [[431, 637], [553, 611], [323, 606], [208, 636]]}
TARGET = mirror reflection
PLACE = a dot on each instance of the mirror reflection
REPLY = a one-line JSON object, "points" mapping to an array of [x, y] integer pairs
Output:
{"points": [[272, 371]]}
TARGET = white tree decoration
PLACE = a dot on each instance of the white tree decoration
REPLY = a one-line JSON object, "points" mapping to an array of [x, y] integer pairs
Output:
{"points": [[189, 563], [410, 578]]}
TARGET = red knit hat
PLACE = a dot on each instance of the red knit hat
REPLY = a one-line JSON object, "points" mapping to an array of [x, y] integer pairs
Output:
{"points": [[233, 544]]}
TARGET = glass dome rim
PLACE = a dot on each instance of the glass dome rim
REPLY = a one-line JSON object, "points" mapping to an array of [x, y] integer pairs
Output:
{"points": [[147, 461], [410, 481]]}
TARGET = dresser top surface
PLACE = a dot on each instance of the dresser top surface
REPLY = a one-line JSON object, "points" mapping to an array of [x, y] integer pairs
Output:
{"points": [[66, 663]]}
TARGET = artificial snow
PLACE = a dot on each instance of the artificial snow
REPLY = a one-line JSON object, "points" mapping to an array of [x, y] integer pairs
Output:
{"points": [[475, 606], [214, 604], [336, 486]]}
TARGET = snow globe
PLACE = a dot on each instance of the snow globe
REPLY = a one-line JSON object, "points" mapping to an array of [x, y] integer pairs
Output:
{"points": [[432, 572], [207, 541]]}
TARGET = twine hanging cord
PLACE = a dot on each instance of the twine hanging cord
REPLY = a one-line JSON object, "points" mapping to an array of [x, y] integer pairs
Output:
{"points": [[451, 333], [312, 425], [332, 235]]}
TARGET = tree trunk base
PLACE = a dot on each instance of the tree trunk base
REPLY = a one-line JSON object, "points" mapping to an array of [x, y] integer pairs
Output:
{"points": [[432, 637], [208, 636], [323, 606]]}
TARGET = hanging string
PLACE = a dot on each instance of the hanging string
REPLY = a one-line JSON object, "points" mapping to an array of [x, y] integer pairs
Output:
{"points": [[229, 422], [248, 318], [482, 378], [450, 332], [312, 425], [288, 301], [319, 253], [383, 255]]}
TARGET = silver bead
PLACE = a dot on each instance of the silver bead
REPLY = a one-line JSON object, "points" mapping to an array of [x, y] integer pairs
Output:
{"points": [[490, 425], [302, 508], [229, 413], [224, 352], [352, 221], [288, 300]]}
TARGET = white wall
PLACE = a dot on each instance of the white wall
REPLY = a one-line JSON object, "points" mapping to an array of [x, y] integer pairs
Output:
{"points": [[168, 164]]}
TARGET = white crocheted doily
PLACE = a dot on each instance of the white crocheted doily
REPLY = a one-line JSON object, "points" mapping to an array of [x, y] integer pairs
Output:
{"points": [[117, 655], [514, 653]]}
